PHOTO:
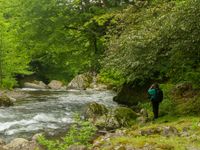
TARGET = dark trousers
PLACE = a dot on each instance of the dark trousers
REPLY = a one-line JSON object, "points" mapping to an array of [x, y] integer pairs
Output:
{"points": [[155, 106]]}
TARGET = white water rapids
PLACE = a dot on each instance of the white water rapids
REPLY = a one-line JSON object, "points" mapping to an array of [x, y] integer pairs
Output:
{"points": [[47, 111]]}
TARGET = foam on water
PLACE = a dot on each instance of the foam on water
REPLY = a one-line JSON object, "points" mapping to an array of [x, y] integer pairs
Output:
{"points": [[44, 118], [7, 125], [47, 111]]}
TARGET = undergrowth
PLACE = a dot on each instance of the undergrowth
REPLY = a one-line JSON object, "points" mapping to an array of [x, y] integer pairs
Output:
{"points": [[80, 133]]}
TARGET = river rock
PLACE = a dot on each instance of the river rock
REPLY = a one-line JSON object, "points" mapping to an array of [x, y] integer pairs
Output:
{"points": [[103, 117], [170, 131], [22, 144], [95, 110], [81, 81], [150, 131], [3, 148], [35, 137], [2, 142], [124, 116], [120, 147], [130, 95], [191, 147], [16, 94], [5, 101], [165, 131], [17, 144], [56, 85], [35, 85], [98, 86], [77, 147]]}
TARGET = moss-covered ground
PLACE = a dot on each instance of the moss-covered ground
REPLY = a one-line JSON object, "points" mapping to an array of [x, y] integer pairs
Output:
{"points": [[187, 137]]}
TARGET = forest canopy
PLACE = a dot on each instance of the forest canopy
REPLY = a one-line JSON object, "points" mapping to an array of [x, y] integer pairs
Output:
{"points": [[124, 41]]}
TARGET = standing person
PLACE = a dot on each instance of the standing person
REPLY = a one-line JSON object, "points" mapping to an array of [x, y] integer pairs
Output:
{"points": [[156, 96]]}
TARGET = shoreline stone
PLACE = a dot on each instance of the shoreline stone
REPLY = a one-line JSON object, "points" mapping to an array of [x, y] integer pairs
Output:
{"points": [[130, 96], [35, 85], [6, 101], [55, 84]]}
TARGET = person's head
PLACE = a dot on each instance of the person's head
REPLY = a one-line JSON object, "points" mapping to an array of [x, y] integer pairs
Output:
{"points": [[155, 86]]}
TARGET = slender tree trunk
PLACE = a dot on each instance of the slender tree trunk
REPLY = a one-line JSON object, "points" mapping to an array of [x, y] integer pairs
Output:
{"points": [[96, 61], [1, 58]]}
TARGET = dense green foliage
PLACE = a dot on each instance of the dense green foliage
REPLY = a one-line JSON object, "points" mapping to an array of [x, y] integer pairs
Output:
{"points": [[157, 42], [14, 59], [177, 102], [79, 133], [124, 41]]}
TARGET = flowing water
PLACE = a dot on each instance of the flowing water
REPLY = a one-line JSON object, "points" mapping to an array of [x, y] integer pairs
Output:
{"points": [[47, 111]]}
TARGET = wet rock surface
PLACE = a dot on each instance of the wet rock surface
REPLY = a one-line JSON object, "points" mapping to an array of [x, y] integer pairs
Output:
{"points": [[35, 85], [56, 85], [6, 100]]}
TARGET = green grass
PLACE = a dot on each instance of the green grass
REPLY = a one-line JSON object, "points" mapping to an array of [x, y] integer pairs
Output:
{"points": [[133, 137], [157, 141]]}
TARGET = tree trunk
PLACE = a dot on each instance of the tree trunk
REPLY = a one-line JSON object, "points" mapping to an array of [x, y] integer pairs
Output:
{"points": [[1, 56]]}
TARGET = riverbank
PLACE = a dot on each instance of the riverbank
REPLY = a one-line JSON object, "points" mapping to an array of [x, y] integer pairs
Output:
{"points": [[178, 127], [166, 133]]}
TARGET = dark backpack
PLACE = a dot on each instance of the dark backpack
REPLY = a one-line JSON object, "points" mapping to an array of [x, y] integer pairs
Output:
{"points": [[159, 95]]}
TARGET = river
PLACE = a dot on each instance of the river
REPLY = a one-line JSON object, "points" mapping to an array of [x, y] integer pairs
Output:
{"points": [[47, 111]]}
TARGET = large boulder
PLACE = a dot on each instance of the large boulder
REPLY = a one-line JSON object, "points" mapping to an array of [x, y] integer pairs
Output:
{"points": [[124, 116], [95, 110], [2, 142], [22, 144], [6, 101], [56, 85], [111, 118], [130, 95], [17, 144], [81, 81], [16, 94], [88, 81], [35, 85]]}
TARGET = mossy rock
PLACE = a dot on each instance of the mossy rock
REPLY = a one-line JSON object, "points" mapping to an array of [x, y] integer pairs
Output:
{"points": [[188, 106], [5, 101], [125, 116], [94, 110], [81, 81], [102, 117]]}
